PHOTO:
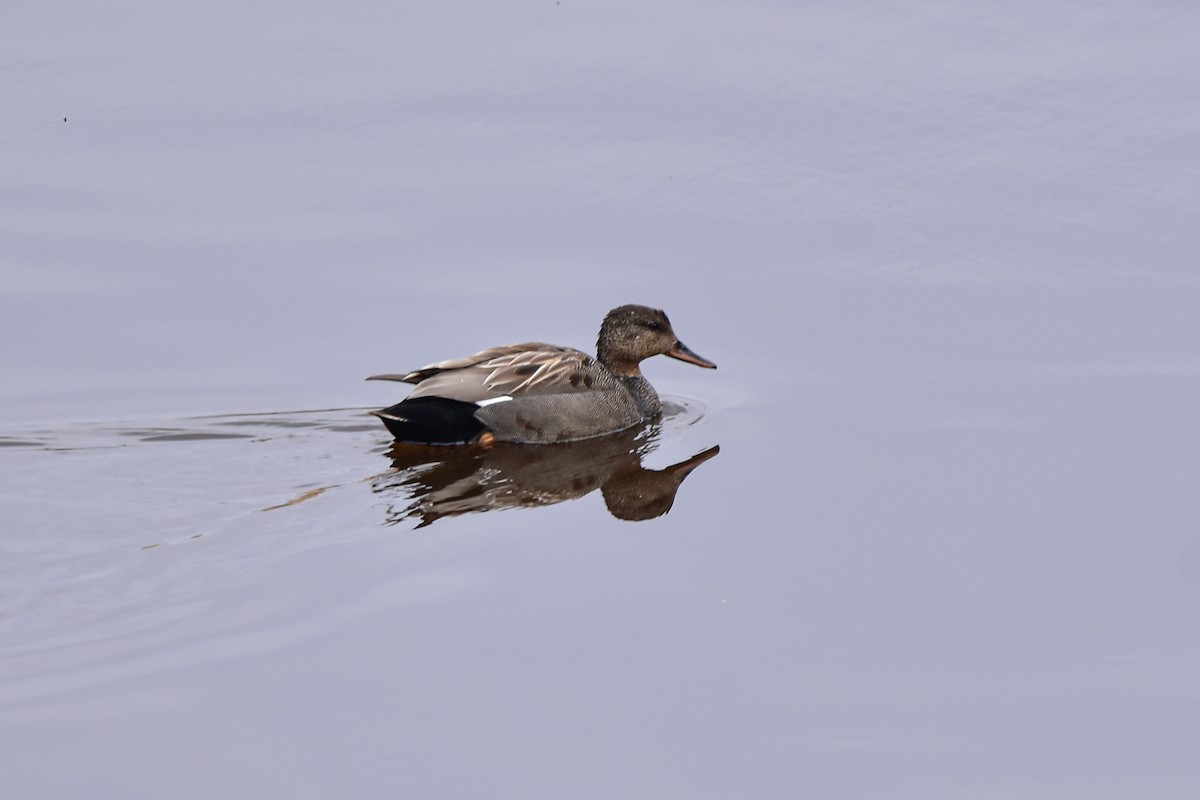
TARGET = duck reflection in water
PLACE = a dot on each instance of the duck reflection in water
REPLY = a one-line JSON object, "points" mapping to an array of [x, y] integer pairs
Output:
{"points": [[438, 482]]}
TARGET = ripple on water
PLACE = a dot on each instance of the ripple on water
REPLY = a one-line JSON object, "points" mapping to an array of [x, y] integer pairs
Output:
{"points": [[137, 531]]}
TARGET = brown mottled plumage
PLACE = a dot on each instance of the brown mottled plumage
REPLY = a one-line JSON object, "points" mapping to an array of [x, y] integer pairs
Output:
{"points": [[540, 393]]}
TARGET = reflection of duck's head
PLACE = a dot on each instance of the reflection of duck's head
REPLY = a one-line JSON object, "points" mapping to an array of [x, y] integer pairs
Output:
{"points": [[638, 494], [441, 481]]}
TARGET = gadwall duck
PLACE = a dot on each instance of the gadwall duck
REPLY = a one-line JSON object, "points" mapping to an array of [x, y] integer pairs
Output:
{"points": [[540, 393]]}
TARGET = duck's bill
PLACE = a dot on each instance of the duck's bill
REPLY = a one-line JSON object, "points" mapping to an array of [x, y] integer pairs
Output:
{"points": [[681, 351]]}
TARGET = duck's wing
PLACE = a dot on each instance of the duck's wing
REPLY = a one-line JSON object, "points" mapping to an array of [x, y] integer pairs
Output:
{"points": [[561, 416], [515, 370]]}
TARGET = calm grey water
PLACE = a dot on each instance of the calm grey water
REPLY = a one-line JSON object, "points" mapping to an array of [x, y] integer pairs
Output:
{"points": [[938, 535]]}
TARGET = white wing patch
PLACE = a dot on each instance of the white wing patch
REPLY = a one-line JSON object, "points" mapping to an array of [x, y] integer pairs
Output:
{"points": [[491, 400]]}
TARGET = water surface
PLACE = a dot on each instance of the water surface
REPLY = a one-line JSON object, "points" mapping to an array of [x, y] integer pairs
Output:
{"points": [[930, 531]]}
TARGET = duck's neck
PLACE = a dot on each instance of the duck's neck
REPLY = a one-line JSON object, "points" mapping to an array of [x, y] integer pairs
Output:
{"points": [[630, 373], [643, 393], [609, 356]]}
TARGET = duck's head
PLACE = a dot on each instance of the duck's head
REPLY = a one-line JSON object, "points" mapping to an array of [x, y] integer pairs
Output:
{"points": [[632, 333]]}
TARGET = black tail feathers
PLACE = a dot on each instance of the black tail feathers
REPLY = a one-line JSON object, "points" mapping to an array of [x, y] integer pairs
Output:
{"points": [[432, 420]]}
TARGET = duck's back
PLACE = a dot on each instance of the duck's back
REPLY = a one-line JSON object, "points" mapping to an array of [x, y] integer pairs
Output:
{"points": [[512, 370]]}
